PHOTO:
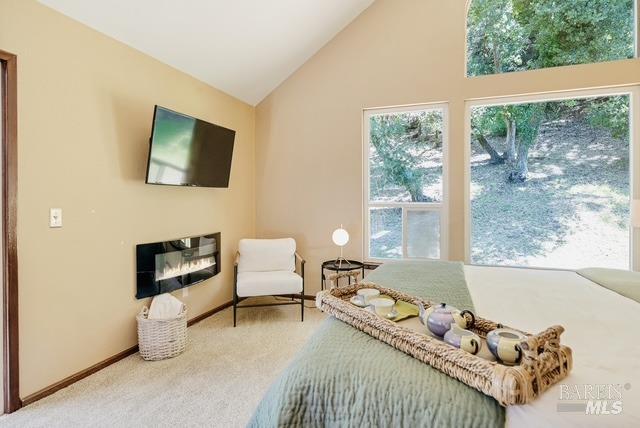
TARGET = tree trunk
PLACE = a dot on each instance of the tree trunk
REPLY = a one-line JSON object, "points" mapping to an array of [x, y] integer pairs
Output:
{"points": [[418, 196], [521, 172], [510, 141], [495, 156], [497, 61]]}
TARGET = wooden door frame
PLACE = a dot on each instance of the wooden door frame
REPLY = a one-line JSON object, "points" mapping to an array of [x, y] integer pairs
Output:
{"points": [[9, 154]]}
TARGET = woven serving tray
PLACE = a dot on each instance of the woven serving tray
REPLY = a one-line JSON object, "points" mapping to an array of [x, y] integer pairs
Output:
{"points": [[544, 362]]}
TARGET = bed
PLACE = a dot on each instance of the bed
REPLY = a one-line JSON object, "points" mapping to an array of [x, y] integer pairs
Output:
{"points": [[343, 377]]}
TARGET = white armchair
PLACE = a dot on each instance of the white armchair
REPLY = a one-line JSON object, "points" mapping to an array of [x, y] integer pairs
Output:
{"points": [[267, 267]]}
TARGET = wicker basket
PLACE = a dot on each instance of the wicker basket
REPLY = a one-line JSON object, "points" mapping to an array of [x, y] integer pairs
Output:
{"points": [[545, 361], [161, 339]]}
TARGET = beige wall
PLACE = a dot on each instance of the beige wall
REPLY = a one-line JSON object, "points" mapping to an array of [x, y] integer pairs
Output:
{"points": [[398, 52], [85, 110]]}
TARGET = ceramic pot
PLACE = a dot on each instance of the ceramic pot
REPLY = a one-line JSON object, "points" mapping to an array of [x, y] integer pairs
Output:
{"points": [[463, 339], [439, 319], [504, 344]]}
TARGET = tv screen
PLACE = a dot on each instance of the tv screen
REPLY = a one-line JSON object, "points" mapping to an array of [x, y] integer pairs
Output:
{"points": [[186, 151]]}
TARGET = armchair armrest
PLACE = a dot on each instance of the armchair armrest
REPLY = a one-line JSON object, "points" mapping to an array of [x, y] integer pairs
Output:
{"points": [[235, 267], [302, 262]]}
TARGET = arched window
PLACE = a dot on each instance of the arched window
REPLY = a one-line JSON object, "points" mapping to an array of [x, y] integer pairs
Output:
{"points": [[517, 35]]}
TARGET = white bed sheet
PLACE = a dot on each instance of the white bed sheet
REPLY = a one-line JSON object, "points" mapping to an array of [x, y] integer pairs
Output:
{"points": [[602, 329]]}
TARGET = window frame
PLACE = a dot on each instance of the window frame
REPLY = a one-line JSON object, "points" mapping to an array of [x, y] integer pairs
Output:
{"points": [[633, 91], [442, 207], [636, 48]]}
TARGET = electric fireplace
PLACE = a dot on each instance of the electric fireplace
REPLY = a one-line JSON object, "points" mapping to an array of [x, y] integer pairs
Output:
{"points": [[171, 265]]}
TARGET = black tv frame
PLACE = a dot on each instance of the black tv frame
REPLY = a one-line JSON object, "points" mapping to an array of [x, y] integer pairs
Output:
{"points": [[153, 123]]}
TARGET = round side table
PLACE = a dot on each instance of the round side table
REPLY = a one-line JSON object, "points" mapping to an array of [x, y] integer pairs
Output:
{"points": [[339, 266]]}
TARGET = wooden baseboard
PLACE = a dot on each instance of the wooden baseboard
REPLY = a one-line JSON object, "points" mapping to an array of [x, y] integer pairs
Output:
{"points": [[45, 392], [29, 399]]}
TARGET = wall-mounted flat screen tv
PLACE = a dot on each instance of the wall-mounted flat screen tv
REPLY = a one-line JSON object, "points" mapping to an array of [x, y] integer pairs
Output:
{"points": [[186, 151]]}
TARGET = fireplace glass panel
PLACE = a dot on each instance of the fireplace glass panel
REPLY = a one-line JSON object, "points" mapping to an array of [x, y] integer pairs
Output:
{"points": [[178, 263], [167, 266]]}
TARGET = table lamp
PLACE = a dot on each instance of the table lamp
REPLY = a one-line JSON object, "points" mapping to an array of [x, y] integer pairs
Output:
{"points": [[340, 237]]}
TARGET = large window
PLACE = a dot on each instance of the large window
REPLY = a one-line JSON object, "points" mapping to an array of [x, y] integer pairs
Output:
{"points": [[405, 151], [550, 183], [515, 35]]}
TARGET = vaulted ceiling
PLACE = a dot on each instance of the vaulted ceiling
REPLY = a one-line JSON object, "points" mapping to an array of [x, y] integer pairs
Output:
{"points": [[245, 48]]}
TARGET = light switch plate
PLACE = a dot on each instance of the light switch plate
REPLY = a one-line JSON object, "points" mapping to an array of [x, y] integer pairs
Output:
{"points": [[55, 217]]}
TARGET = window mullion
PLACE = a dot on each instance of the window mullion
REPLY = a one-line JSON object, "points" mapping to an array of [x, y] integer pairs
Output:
{"points": [[404, 232]]}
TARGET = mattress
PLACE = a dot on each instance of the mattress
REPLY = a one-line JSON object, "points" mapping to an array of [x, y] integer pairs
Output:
{"points": [[602, 328]]}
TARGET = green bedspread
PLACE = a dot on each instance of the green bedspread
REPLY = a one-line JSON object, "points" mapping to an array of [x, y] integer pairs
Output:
{"points": [[344, 377], [623, 282]]}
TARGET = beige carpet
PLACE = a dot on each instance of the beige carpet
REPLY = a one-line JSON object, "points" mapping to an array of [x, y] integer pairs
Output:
{"points": [[218, 381]]}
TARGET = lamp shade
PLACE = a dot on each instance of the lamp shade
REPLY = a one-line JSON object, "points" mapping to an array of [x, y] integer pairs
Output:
{"points": [[636, 213], [340, 237]]}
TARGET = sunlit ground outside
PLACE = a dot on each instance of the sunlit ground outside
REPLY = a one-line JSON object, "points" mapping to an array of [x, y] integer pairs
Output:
{"points": [[572, 210]]}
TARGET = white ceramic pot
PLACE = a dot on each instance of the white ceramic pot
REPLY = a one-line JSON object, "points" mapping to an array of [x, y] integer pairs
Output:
{"points": [[504, 344], [463, 339]]}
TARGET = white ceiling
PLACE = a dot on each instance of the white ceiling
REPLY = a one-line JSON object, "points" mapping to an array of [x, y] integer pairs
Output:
{"points": [[245, 48]]}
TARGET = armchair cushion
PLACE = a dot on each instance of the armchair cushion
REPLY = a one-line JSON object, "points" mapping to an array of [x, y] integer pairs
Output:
{"points": [[265, 255], [273, 283]]}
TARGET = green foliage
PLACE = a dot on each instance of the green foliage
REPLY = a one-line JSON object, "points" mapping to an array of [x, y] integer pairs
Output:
{"points": [[513, 35], [489, 121], [497, 42], [611, 113], [577, 31], [492, 120], [399, 142]]}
